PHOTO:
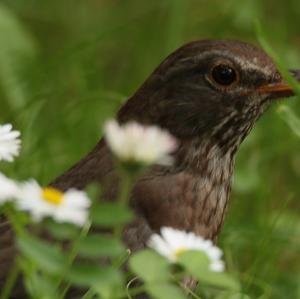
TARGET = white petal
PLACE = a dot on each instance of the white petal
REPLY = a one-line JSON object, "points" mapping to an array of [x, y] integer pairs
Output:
{"points": [[217, 266], [172, 240], [8, 189], [9, 143], [76, 198], [77, 217], [134, 142], [161, 246], [73, 207]]}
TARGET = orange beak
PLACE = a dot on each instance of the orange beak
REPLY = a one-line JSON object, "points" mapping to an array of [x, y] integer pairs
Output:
{"points": [[279, 89], [275, 87]]}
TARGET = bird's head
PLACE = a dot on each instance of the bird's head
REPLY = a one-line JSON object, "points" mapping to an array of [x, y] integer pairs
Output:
{"points": [[213, 89]]}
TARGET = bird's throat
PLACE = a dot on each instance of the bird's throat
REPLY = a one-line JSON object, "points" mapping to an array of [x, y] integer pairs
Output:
{"points": [[210, 173]]}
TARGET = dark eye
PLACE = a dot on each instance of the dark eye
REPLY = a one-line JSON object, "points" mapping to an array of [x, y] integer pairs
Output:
{"points": [[224, 74]]}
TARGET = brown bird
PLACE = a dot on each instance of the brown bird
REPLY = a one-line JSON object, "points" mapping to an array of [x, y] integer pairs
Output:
{"points": [[208, 94]]}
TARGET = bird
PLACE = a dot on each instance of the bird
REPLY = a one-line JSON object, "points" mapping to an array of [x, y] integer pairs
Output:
{"points": [[208, 94]]}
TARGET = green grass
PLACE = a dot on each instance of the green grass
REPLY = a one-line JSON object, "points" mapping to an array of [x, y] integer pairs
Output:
{"points": [[65, 66]]}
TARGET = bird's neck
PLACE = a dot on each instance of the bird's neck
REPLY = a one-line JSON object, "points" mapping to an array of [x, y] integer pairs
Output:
{"points": [[206, 159], [211, 170]]}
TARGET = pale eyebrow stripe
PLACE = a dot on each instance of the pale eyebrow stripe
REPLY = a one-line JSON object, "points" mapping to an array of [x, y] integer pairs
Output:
{"points": [[251, 65]]}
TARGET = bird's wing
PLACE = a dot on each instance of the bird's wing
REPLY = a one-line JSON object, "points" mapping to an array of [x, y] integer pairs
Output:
{"points": [[97, 166]]}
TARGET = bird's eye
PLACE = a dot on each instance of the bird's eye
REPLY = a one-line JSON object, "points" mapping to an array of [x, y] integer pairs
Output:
{"points": [[224, 75]]}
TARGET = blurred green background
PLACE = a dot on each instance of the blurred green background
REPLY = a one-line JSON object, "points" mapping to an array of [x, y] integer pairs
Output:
{"points": [[65, 66]]}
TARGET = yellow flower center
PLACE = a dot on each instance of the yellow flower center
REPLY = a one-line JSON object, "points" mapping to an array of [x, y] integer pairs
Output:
{"points": [[52, 195], [180, 251]]}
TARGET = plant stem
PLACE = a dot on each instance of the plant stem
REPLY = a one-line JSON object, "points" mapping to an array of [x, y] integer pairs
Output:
{"points": [[89, 294], [71, 257], [134, 292], [178, 279], [120, 260], [10, 281], [14, 271], [126, 185], [17, 226], [189, 291]]}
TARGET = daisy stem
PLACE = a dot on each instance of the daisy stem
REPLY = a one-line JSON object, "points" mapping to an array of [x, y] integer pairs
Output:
{"points": [[188, 290], [14, 271], [70, 259], [119, 261], [10, 281], [127, 181], [126, 184], [131, 293], [89, 294], [178, 277], [14, 221]]}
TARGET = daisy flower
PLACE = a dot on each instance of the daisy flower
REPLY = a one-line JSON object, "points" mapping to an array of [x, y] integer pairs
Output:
{"points": [[133, 142], [171, 243], [10, 143], [8, 189], [71, 206]]}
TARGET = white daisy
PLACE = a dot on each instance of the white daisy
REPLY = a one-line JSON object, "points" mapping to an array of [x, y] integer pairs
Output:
{"points": [[138, 143], [8, 189], [171, 243], [71, 206], [10, 144]]}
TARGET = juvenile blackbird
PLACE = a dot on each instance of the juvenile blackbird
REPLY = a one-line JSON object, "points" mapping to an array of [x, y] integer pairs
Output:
{"points": [[208, 94]]}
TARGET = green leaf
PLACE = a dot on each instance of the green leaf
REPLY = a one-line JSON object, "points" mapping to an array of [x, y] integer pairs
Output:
{"points": [[99, 245], [226, 295], [93, 191], [194, 260], [165, 291], [62, 231], [105, 280], [292, 120], [44, 255], [220, 280], [150, 266], [39, 286], [111, 286], [197, 264], [86, 274], [110, 214]]}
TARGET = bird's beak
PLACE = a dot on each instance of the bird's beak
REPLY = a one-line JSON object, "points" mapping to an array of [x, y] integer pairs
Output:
{"points": [[280, 89]]}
